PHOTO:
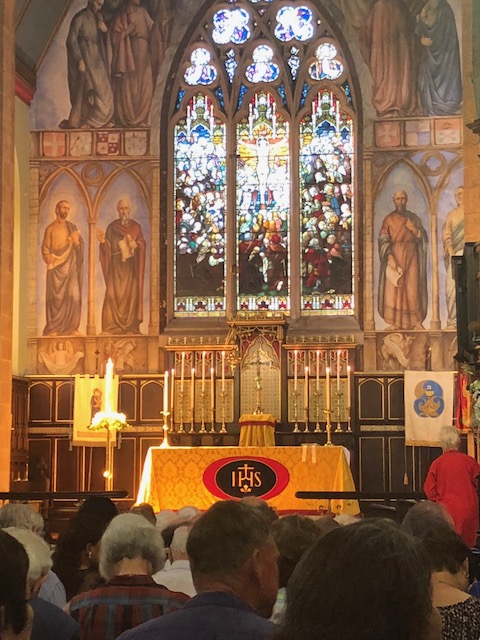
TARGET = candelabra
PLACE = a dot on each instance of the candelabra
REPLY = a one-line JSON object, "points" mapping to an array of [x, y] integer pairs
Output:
{"points": [[349, 420], [180, 397], [338, 396], [295, 395], [328, 427], [165, 444], [223, 398], [202, 403], [316, 395]]}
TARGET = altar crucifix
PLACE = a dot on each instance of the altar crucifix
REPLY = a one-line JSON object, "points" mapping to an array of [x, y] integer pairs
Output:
{"points": [[260, 359]]}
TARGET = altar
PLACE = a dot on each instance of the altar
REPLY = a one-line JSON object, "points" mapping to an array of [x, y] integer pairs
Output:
{"points": [[177, 476]]}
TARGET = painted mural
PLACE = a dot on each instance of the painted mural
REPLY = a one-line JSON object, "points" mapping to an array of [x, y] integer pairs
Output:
{"points": [[96, 122]]}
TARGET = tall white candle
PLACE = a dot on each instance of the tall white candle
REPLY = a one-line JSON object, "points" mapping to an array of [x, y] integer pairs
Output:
{"points": [[327, 391], [305, 401], [165, 391], [108, 385], [317, 372], [349, 399], [172, 388], [203, 371], [339, 366], [192, 393], [295, 381], [223, 371], [212, 387], [182, 372]]}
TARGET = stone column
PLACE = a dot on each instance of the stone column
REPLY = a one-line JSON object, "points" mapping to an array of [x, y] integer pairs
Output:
{"points": [[7, 129]]}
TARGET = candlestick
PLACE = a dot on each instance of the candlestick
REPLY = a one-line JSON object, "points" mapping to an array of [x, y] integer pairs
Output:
{"points": [[192, 401], [182, 372], [349, 371], [108, 385], [317, 372], [212, 391], [223, 371], [338, 371], [327, 393], [203, 371], [165, 391], [306, 389], [295, 381]]}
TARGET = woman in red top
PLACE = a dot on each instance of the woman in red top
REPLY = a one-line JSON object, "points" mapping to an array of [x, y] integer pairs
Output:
{"points": [[452, 481]]}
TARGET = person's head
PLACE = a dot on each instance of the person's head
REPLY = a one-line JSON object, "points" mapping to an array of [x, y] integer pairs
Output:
{"points": [[96, 5], [62, 209], [268, 512], [400, 199], [39, 556], [293, 535], [446, 551], [178, 547], [123, 208], [376, 576], [130, 536], [187, 513], [96, 399], [230, 548], [459, 195], [98, 507], [146, 510], [13, 584], [426, 515], [449, 438], [22, 516]]}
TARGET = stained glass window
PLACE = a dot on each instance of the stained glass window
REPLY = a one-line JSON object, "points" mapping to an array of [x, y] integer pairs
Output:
{"points": [[326, 148], [264, 104], [263, 204], [200, 200]]}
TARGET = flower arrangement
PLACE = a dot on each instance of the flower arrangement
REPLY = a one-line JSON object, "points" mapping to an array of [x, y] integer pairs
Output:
{"points": [[474, 388], [110, 420]]}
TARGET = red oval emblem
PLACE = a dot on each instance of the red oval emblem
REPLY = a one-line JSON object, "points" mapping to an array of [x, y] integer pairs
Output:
{"points": [[241, 476]]}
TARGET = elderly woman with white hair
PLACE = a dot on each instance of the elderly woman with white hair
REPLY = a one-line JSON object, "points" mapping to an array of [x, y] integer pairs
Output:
{"points": [[48, 620], [131, 550], [452, 482]]}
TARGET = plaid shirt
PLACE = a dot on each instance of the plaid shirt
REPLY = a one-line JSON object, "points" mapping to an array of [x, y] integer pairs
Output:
{"points": [[122, 603]]}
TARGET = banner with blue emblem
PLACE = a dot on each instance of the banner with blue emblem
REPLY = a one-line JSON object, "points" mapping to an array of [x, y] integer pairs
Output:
{"points": [[428, 406]]}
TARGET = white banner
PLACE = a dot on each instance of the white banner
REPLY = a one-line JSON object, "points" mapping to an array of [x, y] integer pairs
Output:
{"points": [[428, 406], [89, 398]]}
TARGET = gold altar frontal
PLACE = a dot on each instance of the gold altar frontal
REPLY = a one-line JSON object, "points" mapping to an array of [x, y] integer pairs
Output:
{"points": [[178, 476]]}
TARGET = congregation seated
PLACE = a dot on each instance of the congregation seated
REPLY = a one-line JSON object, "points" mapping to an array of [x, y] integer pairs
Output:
{"points": [[17, 616], [365, 581], [19, 515], [233, 559], [177, 576], [131, 551], [49, 621], [265, 509], [293, 535]]}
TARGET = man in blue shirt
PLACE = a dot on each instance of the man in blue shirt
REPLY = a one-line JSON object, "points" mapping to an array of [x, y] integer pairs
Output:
{"points": [[233, 559]]}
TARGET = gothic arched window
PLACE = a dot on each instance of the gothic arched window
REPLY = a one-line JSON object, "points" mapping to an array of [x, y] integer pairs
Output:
{"points": [[264, 152]]}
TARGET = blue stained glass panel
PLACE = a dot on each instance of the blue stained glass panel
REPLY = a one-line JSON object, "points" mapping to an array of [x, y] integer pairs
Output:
{"points": [[263, 68], [263, 205], [200, 200], [325, 65], [326, 201], [200, 72], [231, 64], [231, 25], [241, 95], [294, 23], [180, 95]]}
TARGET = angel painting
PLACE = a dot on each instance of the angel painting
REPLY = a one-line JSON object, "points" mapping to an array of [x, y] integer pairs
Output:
{"points": [[60, 358]]}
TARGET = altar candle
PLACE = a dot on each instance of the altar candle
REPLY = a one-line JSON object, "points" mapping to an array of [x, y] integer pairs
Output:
{"points": [[305, 402], [327, 391], [349, 370], [203, 371], [108, 385], [212, 389], [172, 388], [223, 371], [295, 358], [182, 372], [338, 371], [192, 394], [317, 372], [165, 391]]}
